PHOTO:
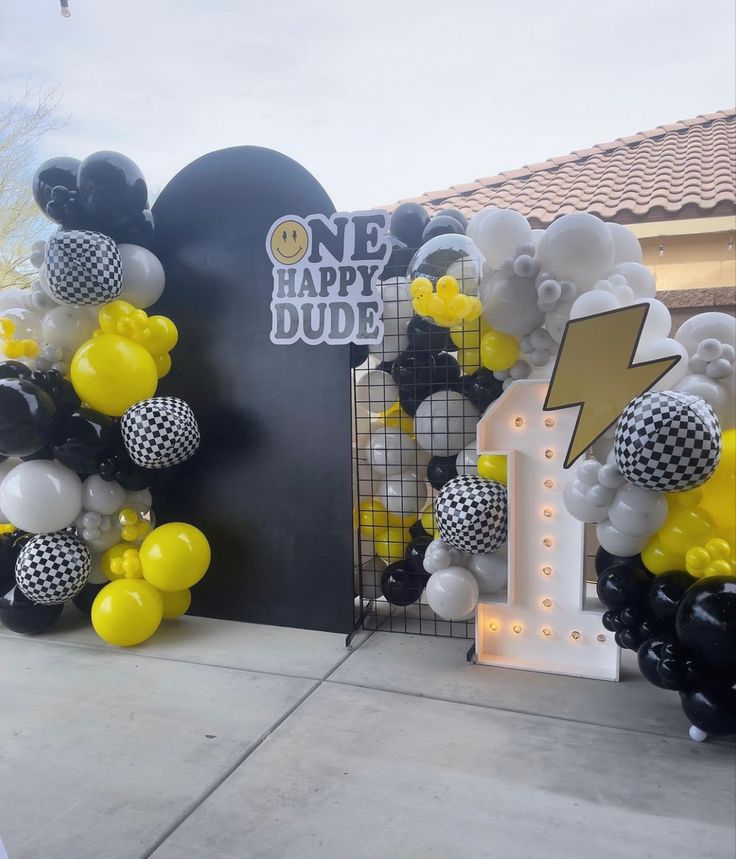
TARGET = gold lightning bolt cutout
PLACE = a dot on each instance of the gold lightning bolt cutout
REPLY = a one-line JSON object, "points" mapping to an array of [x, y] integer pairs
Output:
{"points": [[595, 371]]}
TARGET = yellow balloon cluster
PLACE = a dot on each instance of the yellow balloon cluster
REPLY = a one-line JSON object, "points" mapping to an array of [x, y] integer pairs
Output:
{"points": [[700, 532], [20, 348], [149, 583], [447, 306], [498, 351], [157, 334], [133, 526]]}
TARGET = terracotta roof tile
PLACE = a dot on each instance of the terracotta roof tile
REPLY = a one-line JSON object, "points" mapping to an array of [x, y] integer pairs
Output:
{"points": [[683, 169]]}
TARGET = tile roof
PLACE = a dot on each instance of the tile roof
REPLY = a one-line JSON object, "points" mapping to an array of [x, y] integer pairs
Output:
{"points": [[683, 170]]}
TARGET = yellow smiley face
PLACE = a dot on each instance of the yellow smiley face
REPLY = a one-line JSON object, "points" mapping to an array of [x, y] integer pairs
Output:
{"points": [[289, 242]]}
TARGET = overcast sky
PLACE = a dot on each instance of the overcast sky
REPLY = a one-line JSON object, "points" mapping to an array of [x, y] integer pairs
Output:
{"points": [[380, 99]]}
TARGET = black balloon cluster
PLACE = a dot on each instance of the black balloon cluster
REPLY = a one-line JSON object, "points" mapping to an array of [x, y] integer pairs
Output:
{"points": [[683, 630], [402, 582], [106, 193]]}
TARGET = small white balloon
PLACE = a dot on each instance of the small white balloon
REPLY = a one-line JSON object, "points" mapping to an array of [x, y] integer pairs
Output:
{"points": [[578, 247], [440, 555], [638, 512], [41, 496], [453, 593], [466, 461], [578, 505], [140, 497], [143, 276], [445, 423], [706, 326], [627, 247], [638, 277], [102, 496], [491, 571], [500, 233]]}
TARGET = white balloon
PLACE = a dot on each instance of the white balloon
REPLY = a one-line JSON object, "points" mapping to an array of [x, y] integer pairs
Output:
{"points": [[13, 298], [68, 327], [593, 302], [143, 276], [105, 540], [638, 277], [665, 347], [26, 323], [445, 423], [556, 320], [404, 493], [41, 496], [140, 497], [96, 576], [658, 322], [712, 392], [500, 233], [440, 555], [397, 311], [627, 247], [537, 235], [704, 326], [102, 496], [618, 543], [637, 512], [510, 303], [375, 392], [466, 461], [491, 571], [577, 247], [391, 451], [452, 593], [578, 505], [477, 219]]}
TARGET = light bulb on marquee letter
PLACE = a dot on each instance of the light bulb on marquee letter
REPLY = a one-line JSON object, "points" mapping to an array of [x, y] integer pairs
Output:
{"points": [[545, 551]]}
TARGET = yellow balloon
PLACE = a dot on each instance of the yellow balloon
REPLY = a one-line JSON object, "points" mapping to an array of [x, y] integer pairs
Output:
{"points": [[684, 529], [163, 364], [163, 335], [447, 288], [390, 544], [175, 603], [112, 561], [466, 335], [428, 522], [658, 560], [469, 360], [174, 556], [498, 351], [127, 612], [372, 517], [111, 373], [719, 491], [493, 466]]}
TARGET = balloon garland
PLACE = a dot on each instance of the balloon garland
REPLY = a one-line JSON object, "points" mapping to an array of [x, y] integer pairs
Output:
{"points": [[472, 306], [83, 439]]}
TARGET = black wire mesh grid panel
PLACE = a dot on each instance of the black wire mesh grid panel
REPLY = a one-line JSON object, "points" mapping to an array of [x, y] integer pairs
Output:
{"points": [[415, 408]]}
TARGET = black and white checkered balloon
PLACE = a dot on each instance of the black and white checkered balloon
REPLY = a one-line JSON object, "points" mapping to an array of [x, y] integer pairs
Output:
{"points": [[83, 268], [160, 432], [52, 568], [471, 514], [667, 441]]}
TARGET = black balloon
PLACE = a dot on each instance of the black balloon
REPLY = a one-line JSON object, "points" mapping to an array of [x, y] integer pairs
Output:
{"points": [[84, 599], [358, 355], [14, 370], [441, 225], [399, 260], [138, 231], [456, 214], [19, 614], [482, 388], [441, 469], [711, 708], [407, 223], [706, 621], [604, 560], [649, 657], [411, 396], [632, 616], [628, 639], [425, 336], [611, 620], [414, 555], [9, 551], [26, 417], [112, 189], [81, 438], [416, 529], [401, 585], [412, 369], [55, 173], [666, 592], [623, 586], [445, 372], [58, 388]]}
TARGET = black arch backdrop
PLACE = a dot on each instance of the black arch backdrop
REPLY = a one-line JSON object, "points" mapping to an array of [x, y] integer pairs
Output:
{"points": [[271, 486]]}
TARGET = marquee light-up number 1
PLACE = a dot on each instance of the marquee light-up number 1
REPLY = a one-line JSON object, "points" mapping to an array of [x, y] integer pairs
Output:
{"points": [[542, 626]]}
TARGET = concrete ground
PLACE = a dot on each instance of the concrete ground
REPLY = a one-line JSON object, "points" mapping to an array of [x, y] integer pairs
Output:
{"points": [[219, 739]]}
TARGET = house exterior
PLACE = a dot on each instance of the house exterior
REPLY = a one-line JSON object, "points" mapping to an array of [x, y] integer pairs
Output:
{"points": [[674, 186]]}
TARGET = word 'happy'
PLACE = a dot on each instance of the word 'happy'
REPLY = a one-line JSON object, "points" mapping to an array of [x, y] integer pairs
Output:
{"points": [[325, 277]]}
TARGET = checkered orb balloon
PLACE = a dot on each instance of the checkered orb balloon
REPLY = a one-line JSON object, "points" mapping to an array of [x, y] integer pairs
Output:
{"points": [[667, 441], [83, 268], [471, 514], [160, 432], [52, 568]]}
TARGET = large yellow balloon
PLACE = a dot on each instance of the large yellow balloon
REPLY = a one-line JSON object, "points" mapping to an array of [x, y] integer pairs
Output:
{"points": [[174, 556], [127, 612], [110, 373], [658, 560], [498, 351], [719, 492]]}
